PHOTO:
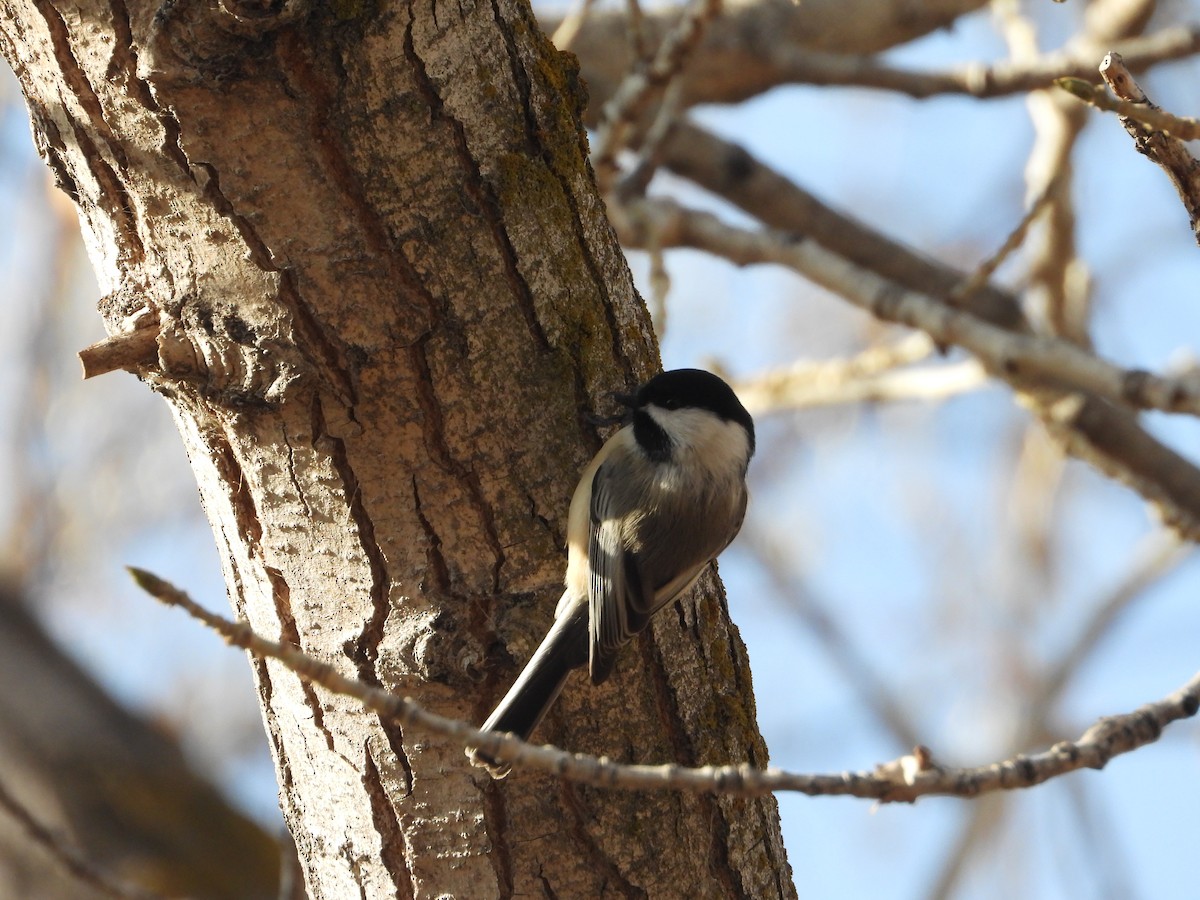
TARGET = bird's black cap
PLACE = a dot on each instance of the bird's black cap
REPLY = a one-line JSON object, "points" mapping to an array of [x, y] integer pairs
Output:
{"points": [[694, 388]]}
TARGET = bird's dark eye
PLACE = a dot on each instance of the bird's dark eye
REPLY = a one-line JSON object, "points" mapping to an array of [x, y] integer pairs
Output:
{"points": [[671, 403]]}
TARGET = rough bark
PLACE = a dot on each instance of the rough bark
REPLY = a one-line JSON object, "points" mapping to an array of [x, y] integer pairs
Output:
{"points": [[384, 290]]}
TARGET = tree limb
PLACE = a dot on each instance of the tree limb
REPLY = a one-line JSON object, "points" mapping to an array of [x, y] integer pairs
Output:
{"points": [[1094, 430], [787, 64], [1014, 357], [900, 781]]}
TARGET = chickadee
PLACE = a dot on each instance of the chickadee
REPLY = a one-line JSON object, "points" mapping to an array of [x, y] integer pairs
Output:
{"points": [[663, 497]]}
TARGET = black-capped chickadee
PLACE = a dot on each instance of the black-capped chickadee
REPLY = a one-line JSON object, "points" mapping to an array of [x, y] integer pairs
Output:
{"points": [[663, 497]]}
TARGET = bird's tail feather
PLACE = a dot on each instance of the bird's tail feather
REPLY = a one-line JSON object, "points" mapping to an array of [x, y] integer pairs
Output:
{"points": [[564, 648]]}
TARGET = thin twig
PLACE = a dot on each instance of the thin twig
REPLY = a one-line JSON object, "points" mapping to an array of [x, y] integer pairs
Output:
{"points": [[985, 820], [1161, 553], [635, 30], [902, 780], [800, 66], [855, 668], [649, 152], [1186, 129], [1156, 134], [1056, 296], [641, 87], [985, 270]]}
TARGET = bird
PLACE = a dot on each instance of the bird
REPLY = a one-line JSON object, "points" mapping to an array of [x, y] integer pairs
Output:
{"points": [[659, 501]]}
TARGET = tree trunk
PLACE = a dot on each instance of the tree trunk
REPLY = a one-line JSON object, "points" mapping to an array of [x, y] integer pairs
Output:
{"points": [[382, 290]]}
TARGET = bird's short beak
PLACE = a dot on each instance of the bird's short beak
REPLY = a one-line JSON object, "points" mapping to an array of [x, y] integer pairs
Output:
{"points": [[622, 418]]}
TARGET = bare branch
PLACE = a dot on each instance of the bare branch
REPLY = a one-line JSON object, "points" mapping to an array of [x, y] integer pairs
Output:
{"points": [[134, 346], [1184, 128], [730, 171], [758, 46], [985, 820], [1016, 358], [875, 375], [902, 780], [793, 65], [1160, 555], [986, 269], [1156, 135], [871, 689], [1102, 434], [737, 49], [642, 87], [569, 27]]}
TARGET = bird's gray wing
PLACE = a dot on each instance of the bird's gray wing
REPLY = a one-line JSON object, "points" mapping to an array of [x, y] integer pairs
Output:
{"points": [[638, 565], [689, 535], [615, 585]]}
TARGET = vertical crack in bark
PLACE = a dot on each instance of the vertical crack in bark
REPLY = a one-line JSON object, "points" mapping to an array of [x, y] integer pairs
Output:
{"points": [[313, 337], [294, 478], [433, 555], [290, 634], [363, 650], [479, 190], [77, 81], [478, 621], [612, 878], [495, 818], [258, 251], [245, 514], [53, 149], [684, 752], [533, 133], [694, 628], [125, 60], [267, 692], [329, 142], [439, 450], [283, 766], [237, 590], [547, 889], [113, 196], [725, 874], [172, 144], [395, 736], [392, 852]]}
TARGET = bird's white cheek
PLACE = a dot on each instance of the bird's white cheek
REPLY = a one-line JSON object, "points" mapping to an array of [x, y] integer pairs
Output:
{"points": [[700, 439]]}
